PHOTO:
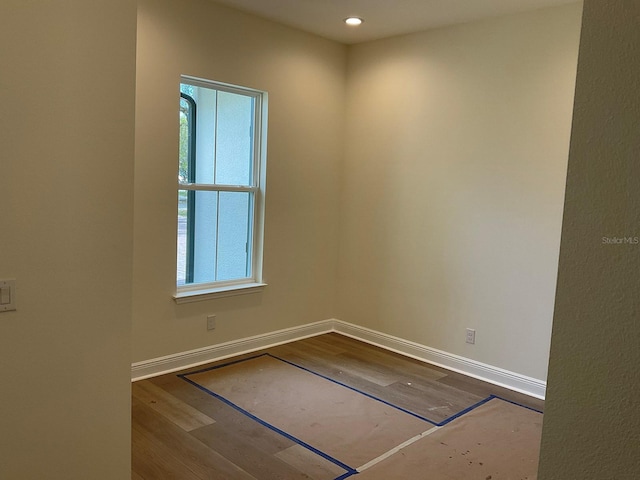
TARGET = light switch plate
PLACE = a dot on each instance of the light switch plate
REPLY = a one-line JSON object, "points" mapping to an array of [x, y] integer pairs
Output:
{"points": [[7, 295]]}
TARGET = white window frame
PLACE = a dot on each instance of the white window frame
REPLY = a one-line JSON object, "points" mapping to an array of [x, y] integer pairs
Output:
{"points": [[205, 291]]}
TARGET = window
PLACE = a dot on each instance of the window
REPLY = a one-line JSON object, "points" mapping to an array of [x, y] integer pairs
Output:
{"points": [[221, 169]]}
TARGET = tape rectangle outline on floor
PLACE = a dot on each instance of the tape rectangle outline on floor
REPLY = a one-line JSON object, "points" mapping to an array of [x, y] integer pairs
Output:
{"points": [[349, 471]]}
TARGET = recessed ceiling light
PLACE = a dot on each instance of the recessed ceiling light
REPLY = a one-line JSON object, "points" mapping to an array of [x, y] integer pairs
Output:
{"points": [[354, 21]]}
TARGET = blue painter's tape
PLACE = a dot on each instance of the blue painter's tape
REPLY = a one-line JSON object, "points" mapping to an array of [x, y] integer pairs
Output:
{"points": [[215, 367], [373, 397], [335, 461], [349, 471], [408, 412], [346, 475], [466, 410], [517, 404]]}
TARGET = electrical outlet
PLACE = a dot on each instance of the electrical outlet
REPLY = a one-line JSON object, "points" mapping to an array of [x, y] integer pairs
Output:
{"points": [[471, 335], [211, 322]]}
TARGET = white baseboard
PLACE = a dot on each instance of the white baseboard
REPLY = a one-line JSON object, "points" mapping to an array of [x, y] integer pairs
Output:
{"points": [[472, 368], [488, 373], [200, 356]]}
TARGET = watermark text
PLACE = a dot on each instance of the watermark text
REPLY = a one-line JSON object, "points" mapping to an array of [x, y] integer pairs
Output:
{"points": [[620, 240]]}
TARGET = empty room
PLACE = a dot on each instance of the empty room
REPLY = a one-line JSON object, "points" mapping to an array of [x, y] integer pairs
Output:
{"points": [[248, 240], [414, 189]]}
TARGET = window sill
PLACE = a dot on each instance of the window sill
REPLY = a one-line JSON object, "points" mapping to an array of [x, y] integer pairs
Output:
{"points": [[191, 296]]}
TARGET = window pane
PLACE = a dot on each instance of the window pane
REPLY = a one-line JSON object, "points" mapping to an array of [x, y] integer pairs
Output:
{"points": [[224, 132], [197, 236], [183, 155], [213, 236], [206, 112], [182, 237], [188, 89], [205, 233], [234, 144], [233, 236]]}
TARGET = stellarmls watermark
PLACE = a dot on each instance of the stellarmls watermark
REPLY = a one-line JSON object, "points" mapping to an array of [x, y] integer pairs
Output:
{"points": [[620, 240]]}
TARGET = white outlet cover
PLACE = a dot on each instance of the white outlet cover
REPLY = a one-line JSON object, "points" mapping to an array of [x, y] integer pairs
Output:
{"points": [[471, 336]]}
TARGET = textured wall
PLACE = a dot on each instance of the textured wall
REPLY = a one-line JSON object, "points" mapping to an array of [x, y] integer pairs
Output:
{"points": [[67, 86], [453, 184], [592, 424]]}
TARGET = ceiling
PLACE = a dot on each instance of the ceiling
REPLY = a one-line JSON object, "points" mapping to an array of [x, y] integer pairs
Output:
{"points": [[382, 18]]}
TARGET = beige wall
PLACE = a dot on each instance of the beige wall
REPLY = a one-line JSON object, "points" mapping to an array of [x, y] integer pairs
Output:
{"points": [[453, 185], [444, 194], [305, 78], [592, 424], [66, 184]]}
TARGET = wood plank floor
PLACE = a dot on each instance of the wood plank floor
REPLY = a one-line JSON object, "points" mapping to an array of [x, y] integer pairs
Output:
{"points": [[181, 432]]}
